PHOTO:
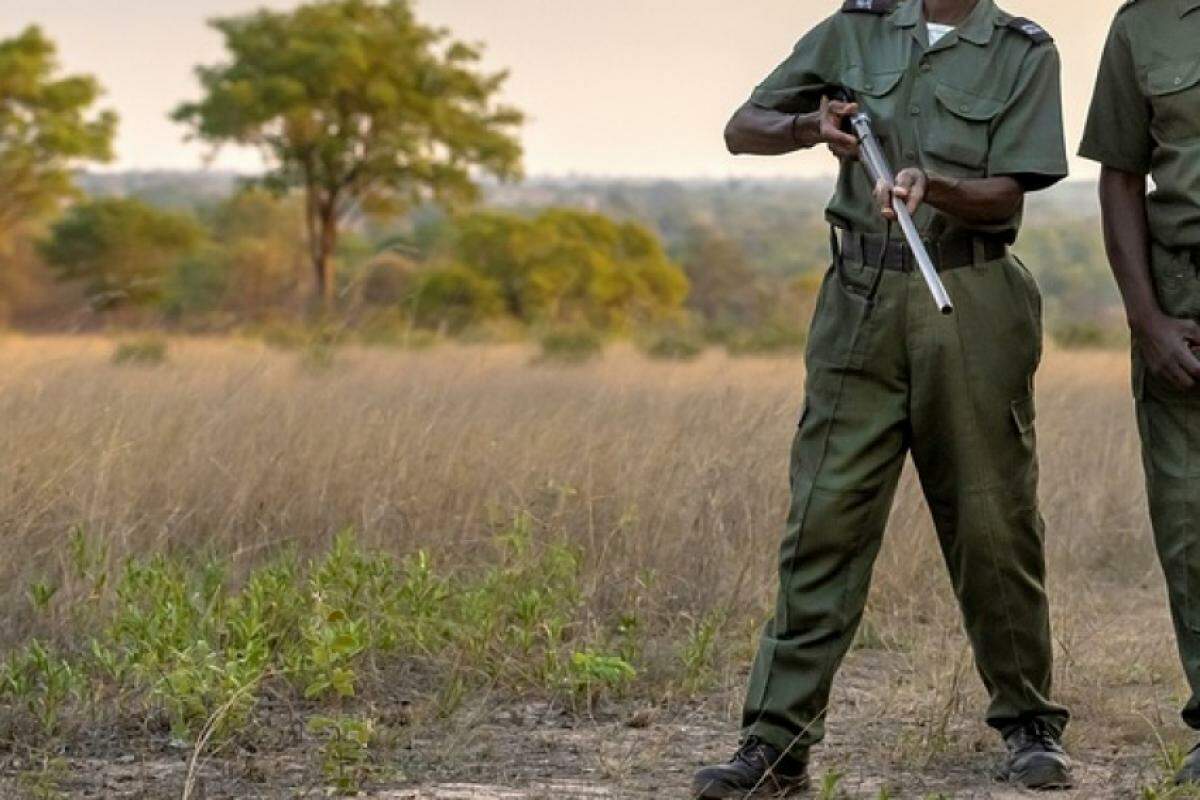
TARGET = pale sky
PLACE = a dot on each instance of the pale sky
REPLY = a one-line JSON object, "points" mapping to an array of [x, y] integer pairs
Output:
{"points": [[612, 87]]}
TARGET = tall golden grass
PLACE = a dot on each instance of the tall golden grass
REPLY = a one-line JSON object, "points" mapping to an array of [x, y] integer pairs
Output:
{"points": [[670, 478]]}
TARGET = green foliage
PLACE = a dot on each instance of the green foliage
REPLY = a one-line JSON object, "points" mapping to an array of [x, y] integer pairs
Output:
{"points": [[570, 267], [454, 297], [262, 253], [358, 104], [699, 651], [180, 638], [570, 345], [830, 788], [593, 671], [196, 284], [122, 250], [345, 751], [46, 129], [150, 350], [673, 344], [43, 681]]}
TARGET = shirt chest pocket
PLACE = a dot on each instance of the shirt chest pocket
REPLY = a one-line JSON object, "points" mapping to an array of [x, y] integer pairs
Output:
{"points": [[875, 92], [958, 136], [1174, 91]]}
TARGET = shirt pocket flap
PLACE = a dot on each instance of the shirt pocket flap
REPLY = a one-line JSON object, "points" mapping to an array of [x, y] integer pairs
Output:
{"points": [[872, 84], [1172, 78], [967, 105]]}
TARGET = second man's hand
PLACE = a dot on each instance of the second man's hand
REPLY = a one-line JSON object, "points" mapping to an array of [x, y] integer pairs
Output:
{"points": [[1169, 347]]}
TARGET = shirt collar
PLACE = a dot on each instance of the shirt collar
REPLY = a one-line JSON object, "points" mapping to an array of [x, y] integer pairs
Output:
{"points": [[1186, 6], [977, 28]]}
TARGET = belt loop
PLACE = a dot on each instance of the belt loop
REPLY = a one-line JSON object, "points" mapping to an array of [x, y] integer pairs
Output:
{"points": [[978, 252]]}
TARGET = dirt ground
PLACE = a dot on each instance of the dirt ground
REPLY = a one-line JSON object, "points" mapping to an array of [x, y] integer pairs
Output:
{"points": [[537, 751]]}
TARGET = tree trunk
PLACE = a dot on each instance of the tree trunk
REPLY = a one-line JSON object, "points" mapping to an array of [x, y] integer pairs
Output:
{"points": [[322, 241]]}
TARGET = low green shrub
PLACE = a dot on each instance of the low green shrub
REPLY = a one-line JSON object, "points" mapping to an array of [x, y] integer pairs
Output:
{"points": [[571, 345], [142, 351], [673, 345], [181, 639]]}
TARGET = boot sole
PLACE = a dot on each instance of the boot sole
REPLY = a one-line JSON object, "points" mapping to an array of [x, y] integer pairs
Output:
{"points": [[1043, 777], [717, 790]]}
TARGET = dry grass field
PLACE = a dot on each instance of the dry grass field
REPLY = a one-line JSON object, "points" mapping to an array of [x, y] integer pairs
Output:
{"points": [[664, 482]]}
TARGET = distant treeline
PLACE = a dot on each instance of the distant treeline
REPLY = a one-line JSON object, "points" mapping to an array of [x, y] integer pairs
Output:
{"points": [[393, 199]]}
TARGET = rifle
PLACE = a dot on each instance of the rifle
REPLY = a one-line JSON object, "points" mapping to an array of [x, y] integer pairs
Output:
{"points": [[878, 168]]}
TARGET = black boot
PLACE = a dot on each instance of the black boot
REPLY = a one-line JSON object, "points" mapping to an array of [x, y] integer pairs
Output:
{"points": [[757, 770], [1189, 773], [1036, 758]]}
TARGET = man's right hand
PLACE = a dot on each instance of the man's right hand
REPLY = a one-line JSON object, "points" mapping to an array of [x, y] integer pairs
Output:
{"points": [[1170, 349], [833, 115]]}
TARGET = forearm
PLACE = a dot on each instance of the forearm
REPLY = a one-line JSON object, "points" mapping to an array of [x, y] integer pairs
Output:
{"points": [[763, 132], [980, 201], [1127, 240]]}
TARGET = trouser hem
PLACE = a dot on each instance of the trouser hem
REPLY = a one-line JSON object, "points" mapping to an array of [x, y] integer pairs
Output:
{"points": [[792, 744]]}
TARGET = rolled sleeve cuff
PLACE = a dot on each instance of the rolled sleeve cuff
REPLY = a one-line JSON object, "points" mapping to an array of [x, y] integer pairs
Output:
{"points": [[1032, 177], [797, 100], [1114, 159]]}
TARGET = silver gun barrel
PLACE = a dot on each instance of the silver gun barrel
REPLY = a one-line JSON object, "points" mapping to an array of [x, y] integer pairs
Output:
{"points": [[877, 167]]}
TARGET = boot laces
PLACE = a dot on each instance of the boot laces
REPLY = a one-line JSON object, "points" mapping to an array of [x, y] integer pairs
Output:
{"points": [[1037, 734]]}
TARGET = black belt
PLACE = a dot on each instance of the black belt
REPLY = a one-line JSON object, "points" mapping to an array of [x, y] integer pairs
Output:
{"points": [[947, 254]]}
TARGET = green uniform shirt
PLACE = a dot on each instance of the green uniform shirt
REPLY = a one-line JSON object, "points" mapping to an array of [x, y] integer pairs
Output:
{"points": [[1145, 115], [984, 101]]}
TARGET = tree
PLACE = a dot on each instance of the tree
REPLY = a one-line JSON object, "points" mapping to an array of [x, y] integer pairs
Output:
{"points": [[359, 105], [725, 288], [262, 250], [121, 249], [46, 129]]}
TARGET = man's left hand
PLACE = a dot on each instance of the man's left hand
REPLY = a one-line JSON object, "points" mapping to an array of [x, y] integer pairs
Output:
{"points": [[909, 188]]}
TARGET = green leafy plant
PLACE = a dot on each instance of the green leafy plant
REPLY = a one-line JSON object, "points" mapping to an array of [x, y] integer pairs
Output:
{"points": [[345, 750]]}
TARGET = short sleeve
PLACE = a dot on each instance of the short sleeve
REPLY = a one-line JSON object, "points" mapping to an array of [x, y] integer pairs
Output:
{"points": [[796, 85], [1027, 136], [1118, 126]]}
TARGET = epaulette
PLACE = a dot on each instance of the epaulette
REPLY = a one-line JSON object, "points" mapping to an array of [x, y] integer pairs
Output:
{"points": [[868, 6], [1031, 29]]}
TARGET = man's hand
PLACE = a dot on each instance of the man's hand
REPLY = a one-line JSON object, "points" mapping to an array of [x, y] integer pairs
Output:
{"points": [[831, 118], [1169, 347], [909, 188]]}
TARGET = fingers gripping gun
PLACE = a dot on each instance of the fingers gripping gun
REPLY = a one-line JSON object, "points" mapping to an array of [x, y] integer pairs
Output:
{"points": [[879, 170]]}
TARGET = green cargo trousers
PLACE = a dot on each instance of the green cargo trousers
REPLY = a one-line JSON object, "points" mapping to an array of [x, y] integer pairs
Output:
{"points": [[887, 374], [1169, 422]]}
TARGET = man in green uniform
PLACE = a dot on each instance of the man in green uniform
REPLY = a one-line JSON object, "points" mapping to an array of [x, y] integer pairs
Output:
{"points": [[1145, 119], [966, 101]]}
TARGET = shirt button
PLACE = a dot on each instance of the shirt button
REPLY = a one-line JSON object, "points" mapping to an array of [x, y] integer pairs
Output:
{"points": [[869, 86], [915, 111], [964, 107], [1178, 81], [910, 156], [926, 66]]}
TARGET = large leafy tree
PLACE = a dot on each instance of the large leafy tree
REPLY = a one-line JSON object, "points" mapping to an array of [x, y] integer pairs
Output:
{"points": [[359, 105], [47, 129]]}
